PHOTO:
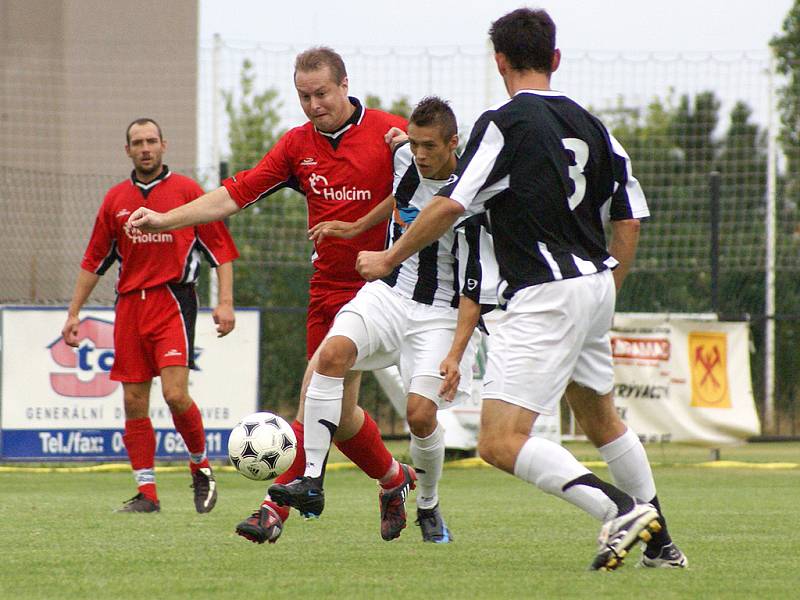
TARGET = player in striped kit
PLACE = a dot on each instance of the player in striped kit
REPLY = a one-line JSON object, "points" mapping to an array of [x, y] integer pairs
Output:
{"points": [[543, 168], [156, 308], [406, 319]]}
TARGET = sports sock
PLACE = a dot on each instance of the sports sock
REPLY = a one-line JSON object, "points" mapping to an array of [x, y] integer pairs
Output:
{"points": [[427, 455], [293, 472], [630, 470], [367, 450], [552, 468], [190, 425], [140, 442], [323, 409], [629, 467]]}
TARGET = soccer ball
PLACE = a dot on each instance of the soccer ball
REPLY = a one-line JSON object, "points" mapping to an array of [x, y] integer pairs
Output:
{"points": [[262, 446]]}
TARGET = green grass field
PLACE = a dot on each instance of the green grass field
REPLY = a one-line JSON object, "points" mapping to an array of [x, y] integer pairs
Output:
{"points": [[738, 525]]}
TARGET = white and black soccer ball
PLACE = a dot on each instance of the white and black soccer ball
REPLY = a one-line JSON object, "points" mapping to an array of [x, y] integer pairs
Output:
{"points": [[262, 446]]}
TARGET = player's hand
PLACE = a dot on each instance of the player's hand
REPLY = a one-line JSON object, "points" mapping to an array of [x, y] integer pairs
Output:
{"points": [[452, 376], [338, 229], [224, 318], [70, 331], [394, 137], [144, 220], [373, 265]]}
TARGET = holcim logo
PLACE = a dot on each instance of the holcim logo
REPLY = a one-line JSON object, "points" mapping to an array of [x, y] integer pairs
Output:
{"points": [[342, 193], [147, 238], [90, 362]]}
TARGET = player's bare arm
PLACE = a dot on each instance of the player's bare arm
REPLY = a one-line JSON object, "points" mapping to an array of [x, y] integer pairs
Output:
{"points": [[624, 241], [223, 315], [431, 224], [469, 312], [347, 229], [83, 288], [213, 206]]}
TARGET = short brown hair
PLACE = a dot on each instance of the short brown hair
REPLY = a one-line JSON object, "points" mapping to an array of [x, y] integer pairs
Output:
{"points": [[142, 121], [432, 110], [319, 57], [527, 38]]}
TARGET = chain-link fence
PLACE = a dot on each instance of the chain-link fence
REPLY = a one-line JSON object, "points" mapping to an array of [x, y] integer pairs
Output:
{"points": [[681, 117]]}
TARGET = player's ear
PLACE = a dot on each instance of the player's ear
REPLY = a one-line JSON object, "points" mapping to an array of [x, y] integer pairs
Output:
{"points": [[345, 84], [556, 60], [453, 143], [128, 150], [502, 62]]}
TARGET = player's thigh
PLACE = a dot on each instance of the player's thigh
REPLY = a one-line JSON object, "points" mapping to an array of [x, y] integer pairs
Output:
{"points": [[594, 368], [324, 302], [132, 351], [533, 349], [375, 321], [504, 429], [171, 315]]}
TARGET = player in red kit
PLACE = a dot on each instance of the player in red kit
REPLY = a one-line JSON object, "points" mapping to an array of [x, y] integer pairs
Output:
{"points": [[156, 308], [340, 161]]}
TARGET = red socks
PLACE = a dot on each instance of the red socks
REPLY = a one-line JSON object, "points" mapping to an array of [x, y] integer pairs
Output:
{"points": [[367, 450], [190, 425], [140, 442]]}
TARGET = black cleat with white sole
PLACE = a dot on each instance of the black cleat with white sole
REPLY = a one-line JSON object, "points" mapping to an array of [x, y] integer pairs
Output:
{"points": [[304, 493]]}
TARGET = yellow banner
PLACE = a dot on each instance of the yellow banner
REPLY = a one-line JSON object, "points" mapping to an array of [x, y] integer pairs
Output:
{"points": [[709, 368]]}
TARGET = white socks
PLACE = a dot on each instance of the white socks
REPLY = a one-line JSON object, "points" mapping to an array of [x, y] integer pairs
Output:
{"points": [[323, 409], [629, 467], [550, 467], [427, 454]]}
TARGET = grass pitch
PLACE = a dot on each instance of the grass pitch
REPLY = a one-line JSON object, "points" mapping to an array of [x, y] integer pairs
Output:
{"points": [[59, 539]]}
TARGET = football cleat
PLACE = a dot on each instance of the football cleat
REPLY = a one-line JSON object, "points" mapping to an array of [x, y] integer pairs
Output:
{"points": [[205, 490], [304, 493], [393, 504], [139, 504], [432, 525], [620, 534], [670, 557], [264, 525]]}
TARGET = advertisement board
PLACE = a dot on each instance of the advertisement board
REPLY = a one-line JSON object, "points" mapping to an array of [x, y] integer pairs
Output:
{"points": [[59, 403]]}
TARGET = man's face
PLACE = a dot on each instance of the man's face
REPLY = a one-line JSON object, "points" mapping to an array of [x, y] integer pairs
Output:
{"points": [[323, 100], [433, 152], [145, 149]]}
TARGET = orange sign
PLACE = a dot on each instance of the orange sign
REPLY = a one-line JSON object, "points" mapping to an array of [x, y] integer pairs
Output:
{"points": [[709, 366]]}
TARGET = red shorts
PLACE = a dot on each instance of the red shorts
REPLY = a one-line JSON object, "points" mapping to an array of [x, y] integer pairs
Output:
{"points": [[324, 301], [153, 329]]}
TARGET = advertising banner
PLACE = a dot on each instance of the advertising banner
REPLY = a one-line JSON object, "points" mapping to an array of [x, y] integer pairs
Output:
{"points": [[59, 403], [684, 380]]}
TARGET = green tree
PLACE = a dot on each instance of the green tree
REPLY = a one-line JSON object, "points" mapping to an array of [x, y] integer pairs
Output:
{"points": [[400, 106], [786, 48]]}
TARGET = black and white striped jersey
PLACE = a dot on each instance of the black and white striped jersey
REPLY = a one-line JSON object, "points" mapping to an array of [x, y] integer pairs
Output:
{"points": [[461, 261], [548, 173]]}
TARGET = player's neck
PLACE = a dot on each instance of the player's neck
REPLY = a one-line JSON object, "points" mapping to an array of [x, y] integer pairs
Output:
{"points": [[526, 80], [148, 177]]}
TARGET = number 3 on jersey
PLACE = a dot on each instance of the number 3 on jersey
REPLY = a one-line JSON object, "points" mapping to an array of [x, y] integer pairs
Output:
{"points": [[580, 151]]}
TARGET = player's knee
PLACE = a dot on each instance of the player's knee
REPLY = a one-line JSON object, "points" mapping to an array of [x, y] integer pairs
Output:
{"points": [[177, 399], [336, 356], [420, 423], [489, 449]]}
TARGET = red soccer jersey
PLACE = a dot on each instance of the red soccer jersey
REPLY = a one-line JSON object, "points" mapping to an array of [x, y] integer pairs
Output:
{"points": [[343, 176], [152, 259]]}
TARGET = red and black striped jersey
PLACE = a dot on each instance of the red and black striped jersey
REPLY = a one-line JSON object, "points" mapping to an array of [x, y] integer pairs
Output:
{"points": [[151, 259], [343, 175]]}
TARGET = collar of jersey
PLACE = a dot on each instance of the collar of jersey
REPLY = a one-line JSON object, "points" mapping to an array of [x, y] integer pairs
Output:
{"points": [[541, 92], [165, 172], [355, 119]]}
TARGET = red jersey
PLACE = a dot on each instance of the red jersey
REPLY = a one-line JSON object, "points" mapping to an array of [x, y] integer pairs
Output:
{"points": [[343, 176], [151, 259]]}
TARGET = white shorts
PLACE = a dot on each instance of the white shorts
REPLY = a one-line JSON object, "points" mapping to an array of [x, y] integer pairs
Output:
{"points": [[389, 329], [551, 334]]}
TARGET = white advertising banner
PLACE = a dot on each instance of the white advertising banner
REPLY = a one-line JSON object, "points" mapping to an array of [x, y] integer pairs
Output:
{"points": [[59, 403], [684, 380]]}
